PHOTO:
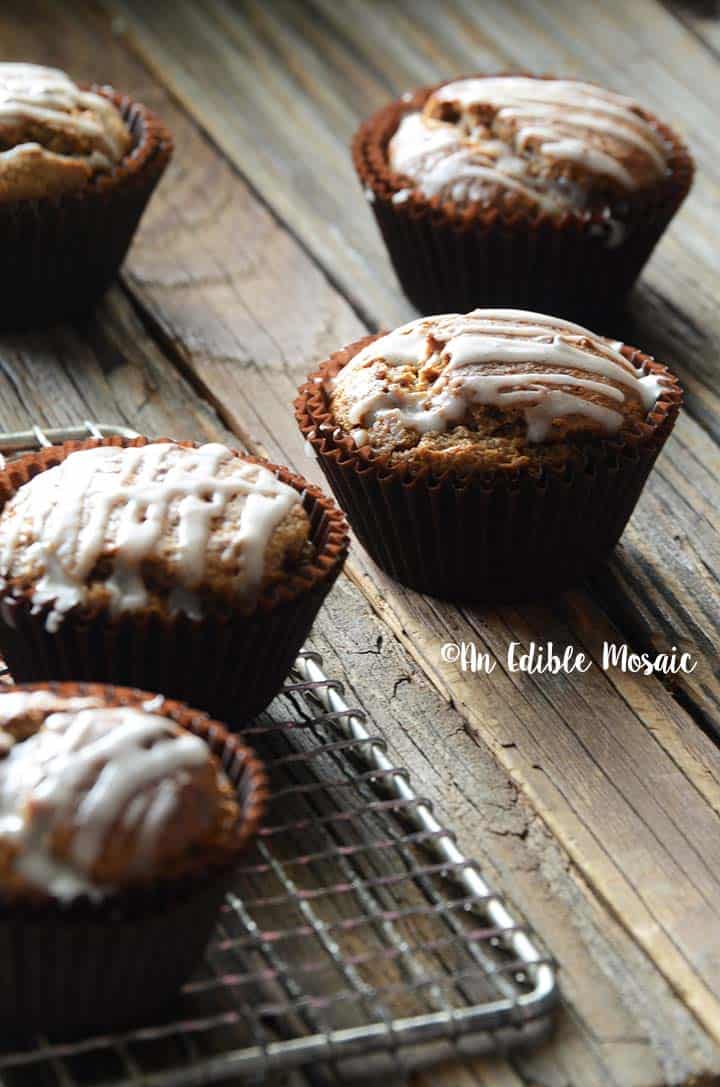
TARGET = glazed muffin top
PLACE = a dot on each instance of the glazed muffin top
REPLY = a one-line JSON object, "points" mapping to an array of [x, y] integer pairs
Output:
{"points": [[54, 136], [97, 798], [555, 145], [491, 389], [156, 526]]}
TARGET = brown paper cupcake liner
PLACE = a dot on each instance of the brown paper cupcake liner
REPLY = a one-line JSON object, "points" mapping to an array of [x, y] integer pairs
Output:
{"points": [[449, 259], [60, 253], [229, 664], [500, 536], [89, 965]]}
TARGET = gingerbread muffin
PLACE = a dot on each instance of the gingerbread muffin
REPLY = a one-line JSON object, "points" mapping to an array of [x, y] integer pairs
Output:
{"points": [[520, 190], [122, 817], [189, 569], [495, 455], [77, 167]]}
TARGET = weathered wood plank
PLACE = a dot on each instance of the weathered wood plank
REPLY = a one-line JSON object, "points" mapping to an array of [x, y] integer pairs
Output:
{"points": [[661, 924], [425, 735], [701, 20], [625, 1027]]}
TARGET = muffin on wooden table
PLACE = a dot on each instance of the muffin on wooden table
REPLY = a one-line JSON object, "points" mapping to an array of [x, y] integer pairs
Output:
{"points": [[77, 167], [495, 455], [193, 570], [520, 191], [122, 817]]}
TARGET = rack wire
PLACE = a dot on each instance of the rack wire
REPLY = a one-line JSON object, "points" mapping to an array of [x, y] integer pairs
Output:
{"points": [[356, 930]]}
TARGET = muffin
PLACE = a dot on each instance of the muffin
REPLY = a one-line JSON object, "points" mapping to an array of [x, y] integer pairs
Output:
{"points": [[77, 167], [520, 190], [189, 569], [122, 817], [495, 455]]}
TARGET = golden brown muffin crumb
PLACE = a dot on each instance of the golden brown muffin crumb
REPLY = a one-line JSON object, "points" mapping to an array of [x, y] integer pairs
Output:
{"points": [[54, 136], [154, 526], [96, 798], [492, 389], [557, 144]]}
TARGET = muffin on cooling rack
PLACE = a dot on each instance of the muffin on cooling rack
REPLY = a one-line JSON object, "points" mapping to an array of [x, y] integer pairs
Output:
{"points": [[122, 817], [520, 190], [77, 167], [189, 569], [495, 455]]}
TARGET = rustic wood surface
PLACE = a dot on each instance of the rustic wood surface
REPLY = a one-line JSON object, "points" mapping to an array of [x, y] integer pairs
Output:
{"points": [[593, 802]]}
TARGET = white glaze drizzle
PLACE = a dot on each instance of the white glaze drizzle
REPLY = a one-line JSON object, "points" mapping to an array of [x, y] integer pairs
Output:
{"points": [[87, 768], [33, 151], [85, 508], [443, 163], [566, 120], [14, 704], [30, 92], [482, 358]]}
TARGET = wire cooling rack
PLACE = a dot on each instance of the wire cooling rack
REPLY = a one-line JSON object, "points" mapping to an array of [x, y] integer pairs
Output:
{"points": [[355, 927]]}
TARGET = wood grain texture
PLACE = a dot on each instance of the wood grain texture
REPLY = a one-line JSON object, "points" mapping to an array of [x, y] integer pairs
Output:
{"points": [[314, 74], [609, 872], [661, 903], [701, 20]]}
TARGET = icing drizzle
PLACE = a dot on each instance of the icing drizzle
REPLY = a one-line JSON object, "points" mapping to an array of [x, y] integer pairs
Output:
{"points": [[125, 504], [487, 357], [30, 92], [552, 121], [93, 770]]}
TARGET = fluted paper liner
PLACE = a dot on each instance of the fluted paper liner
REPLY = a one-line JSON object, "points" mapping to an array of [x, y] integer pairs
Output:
{"points": [[496, 536], [452, 259], [60, 253], [98, 965], [229, 664]]}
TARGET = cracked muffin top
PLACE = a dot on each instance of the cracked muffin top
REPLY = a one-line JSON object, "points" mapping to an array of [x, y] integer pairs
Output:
{"points": [[554, 145], [97, 798], [157, 526], [54, 136], [489, 389]]}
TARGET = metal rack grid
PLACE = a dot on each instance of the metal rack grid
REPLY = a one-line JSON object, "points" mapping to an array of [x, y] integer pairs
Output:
{"points": [[355, 927]]}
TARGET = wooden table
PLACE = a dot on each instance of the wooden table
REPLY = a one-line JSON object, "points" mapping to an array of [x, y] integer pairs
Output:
{"points": [[593, 801]]}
